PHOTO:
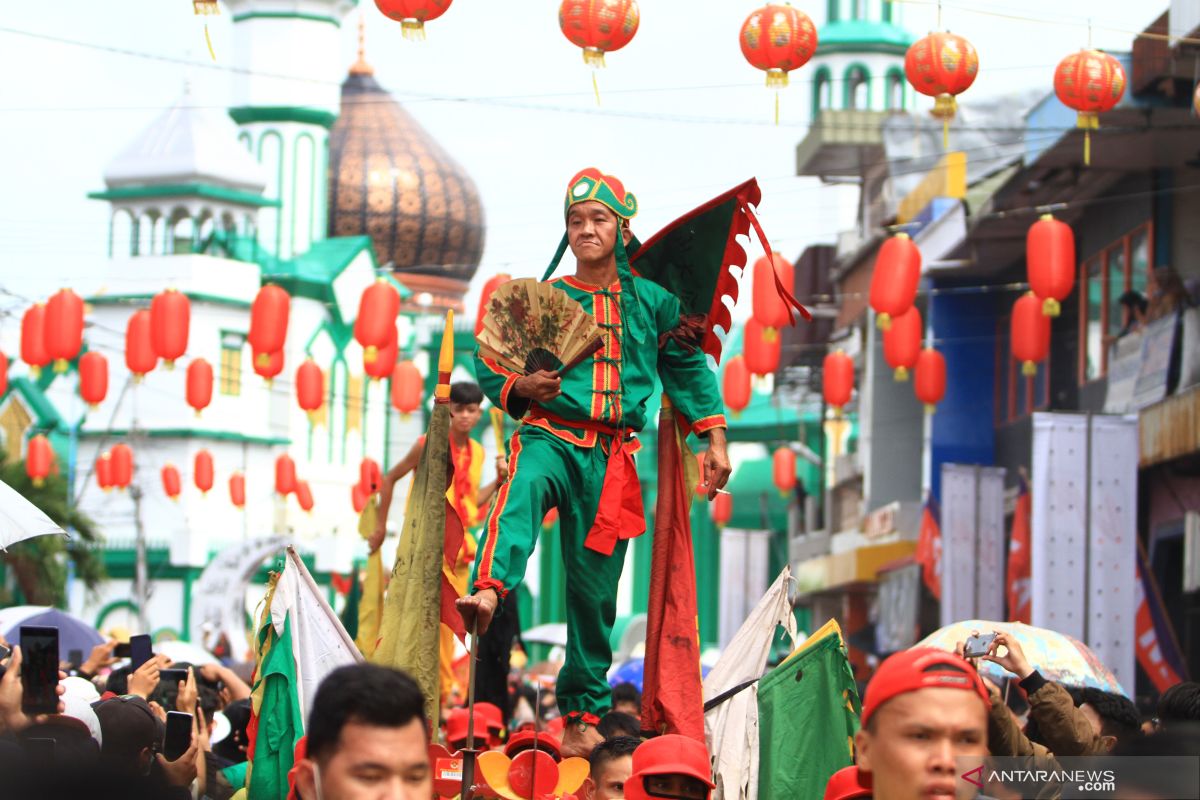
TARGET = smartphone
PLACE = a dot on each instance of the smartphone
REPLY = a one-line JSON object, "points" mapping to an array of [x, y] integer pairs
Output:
{"points": [[5, 651], [39, 669], [171, 677], [75, 657], [140, 650], [121, 650], [977, 646], [178, 736]]}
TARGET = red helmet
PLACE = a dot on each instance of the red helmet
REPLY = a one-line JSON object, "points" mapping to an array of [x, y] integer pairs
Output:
{"points": [[671, 754], [848, 784]]}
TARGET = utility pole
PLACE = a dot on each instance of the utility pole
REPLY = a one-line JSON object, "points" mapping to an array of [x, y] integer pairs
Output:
{"points": [[141, 583]]}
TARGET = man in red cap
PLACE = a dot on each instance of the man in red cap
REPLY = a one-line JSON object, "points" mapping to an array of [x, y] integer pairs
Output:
{"points": [[670, 766], [924, 718], [456, 730], [848, 783]]}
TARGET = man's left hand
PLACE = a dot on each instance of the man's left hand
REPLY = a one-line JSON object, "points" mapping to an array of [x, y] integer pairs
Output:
{"points": [[716, 462]]}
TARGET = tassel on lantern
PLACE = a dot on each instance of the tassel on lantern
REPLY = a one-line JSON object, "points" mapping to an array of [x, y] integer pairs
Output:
{"points": [[412, 29], [1029, 369], [1088, 122], [593, 57], [1051, 307], [900, 374], [206, 8]]}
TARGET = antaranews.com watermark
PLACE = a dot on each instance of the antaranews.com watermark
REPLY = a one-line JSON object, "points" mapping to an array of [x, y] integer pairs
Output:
{"points": [[1084, 777]]}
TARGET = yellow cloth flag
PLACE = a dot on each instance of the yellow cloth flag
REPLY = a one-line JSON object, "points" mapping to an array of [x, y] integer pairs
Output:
{"points": [[370, 607]]}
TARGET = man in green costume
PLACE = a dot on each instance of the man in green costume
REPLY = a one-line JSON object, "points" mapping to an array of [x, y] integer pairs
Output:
{"points": [[574, 448]]}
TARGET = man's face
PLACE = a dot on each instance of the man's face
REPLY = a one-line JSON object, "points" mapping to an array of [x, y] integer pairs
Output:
{"points": [[609, 782], [592, 230], [677, 786], [464, 416], [373, 763], [628, 707], [916, 740]]}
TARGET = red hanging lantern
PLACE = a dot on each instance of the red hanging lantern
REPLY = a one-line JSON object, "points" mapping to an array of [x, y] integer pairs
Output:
{"points": [[1091, 83], [121, 457], [170, 317], [285, 475], [783, 470], [237, 490], [895, 279], [735, 384], [199, 384], [370, 475], [268, 324], [1050, 262], [761, 352], [93, 378], [38, 458], [778, 39], [139, 351], [358, 498], [837, 382], [310, 387], [63, 328], [902, 342], [929, 385], [493, 283], [407, 387], [942, 65], [172, 484], [3, 374], [304, 496], [598, 26], [1029, 338], [33, 339], [413, 14], [385, 359], [202, 471], [269, 365], [376, 322], [722, 509], [104, 475], [770, 310]]}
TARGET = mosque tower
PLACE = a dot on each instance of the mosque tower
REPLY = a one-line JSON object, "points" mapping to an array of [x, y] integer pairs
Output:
{"points": [[859, 63], [288, 62]]}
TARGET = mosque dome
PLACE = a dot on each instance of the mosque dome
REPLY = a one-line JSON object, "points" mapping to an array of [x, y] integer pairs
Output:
{"points": [[391, 181]]}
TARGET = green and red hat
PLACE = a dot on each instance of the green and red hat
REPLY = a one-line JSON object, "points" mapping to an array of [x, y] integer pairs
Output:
{"points": [[592, 184]]}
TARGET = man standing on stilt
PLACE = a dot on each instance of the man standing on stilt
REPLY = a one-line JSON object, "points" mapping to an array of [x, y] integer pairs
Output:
{"points": [[574, 448]]}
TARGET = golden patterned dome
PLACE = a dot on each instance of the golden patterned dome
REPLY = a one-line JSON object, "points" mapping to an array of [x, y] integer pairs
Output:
{"points": [[388, 179]]}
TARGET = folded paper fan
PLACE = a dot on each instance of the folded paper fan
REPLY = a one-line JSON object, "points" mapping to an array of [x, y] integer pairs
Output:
{"points": [[530, 325]]}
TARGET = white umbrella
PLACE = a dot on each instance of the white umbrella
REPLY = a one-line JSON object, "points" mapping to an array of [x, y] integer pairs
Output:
{"points": [[21, 519], [178, 650], [550, 633]]}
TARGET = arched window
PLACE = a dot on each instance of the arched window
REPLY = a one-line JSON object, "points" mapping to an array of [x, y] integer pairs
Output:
{"points": [[822, 91], [895, 90], [858, 88]]}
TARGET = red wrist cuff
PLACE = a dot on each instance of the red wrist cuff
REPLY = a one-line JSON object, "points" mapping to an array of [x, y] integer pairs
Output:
{"points": [[584, 717], [493, 584]]}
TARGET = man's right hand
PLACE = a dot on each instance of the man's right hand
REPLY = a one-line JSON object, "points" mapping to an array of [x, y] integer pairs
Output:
{"points": [[540, 386], [377, 536], [1014, 659], [478, 608]]}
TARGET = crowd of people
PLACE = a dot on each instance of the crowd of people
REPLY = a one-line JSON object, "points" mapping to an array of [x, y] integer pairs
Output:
{"points": [[926, 715]]}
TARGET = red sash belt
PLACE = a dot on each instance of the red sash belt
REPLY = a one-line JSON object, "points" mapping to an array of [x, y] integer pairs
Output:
{"points": [[620, 514]]}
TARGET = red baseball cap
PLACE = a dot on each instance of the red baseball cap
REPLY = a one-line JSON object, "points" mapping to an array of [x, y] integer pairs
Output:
{"points": [[491, 712], [523, 740], [848, 784], [456, 725], [671, 754], [920, 668]]}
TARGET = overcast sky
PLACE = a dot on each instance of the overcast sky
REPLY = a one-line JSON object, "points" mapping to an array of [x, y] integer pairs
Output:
{"points": [[683, 115]]}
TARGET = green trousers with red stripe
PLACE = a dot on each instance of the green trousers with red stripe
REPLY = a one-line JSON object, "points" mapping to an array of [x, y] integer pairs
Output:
{"points": [[546, 472]]}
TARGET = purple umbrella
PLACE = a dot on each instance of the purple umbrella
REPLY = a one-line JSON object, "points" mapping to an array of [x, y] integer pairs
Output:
{"points": [[73, 633]]}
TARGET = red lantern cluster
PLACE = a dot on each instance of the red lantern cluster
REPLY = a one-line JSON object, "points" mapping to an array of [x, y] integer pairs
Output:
{"points": [[202, 471], [1050, 262], [493, 283], [735, 384], [199, 384], [902, 343], [38, 459], [140, 357], [769, 309], [783, 470], [1091, 83], [285, 475], [837, 381], [310, 387], [237, 490], [33, 338], [63, 328], [778, 39], [413, 14], [760, 349], [172, 483], [407, 387], [895, 279], [599, 26], [942, 65], [268, 326], [93, 378], [930, 382], [170, 318], [121, 458], [375, 327], [1029, 339]]}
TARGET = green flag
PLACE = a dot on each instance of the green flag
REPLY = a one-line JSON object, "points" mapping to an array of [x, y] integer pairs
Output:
{"points": [[808, 711]]}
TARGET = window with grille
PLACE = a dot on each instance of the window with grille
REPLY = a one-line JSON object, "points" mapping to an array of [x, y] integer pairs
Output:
{"points": [[230, 381]]}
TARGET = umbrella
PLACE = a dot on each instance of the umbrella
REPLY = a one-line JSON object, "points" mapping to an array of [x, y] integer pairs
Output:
{"points": [[21, 519], [631, 672], [554, 633], [186, 652], [73, 633], [1058, 657]]}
